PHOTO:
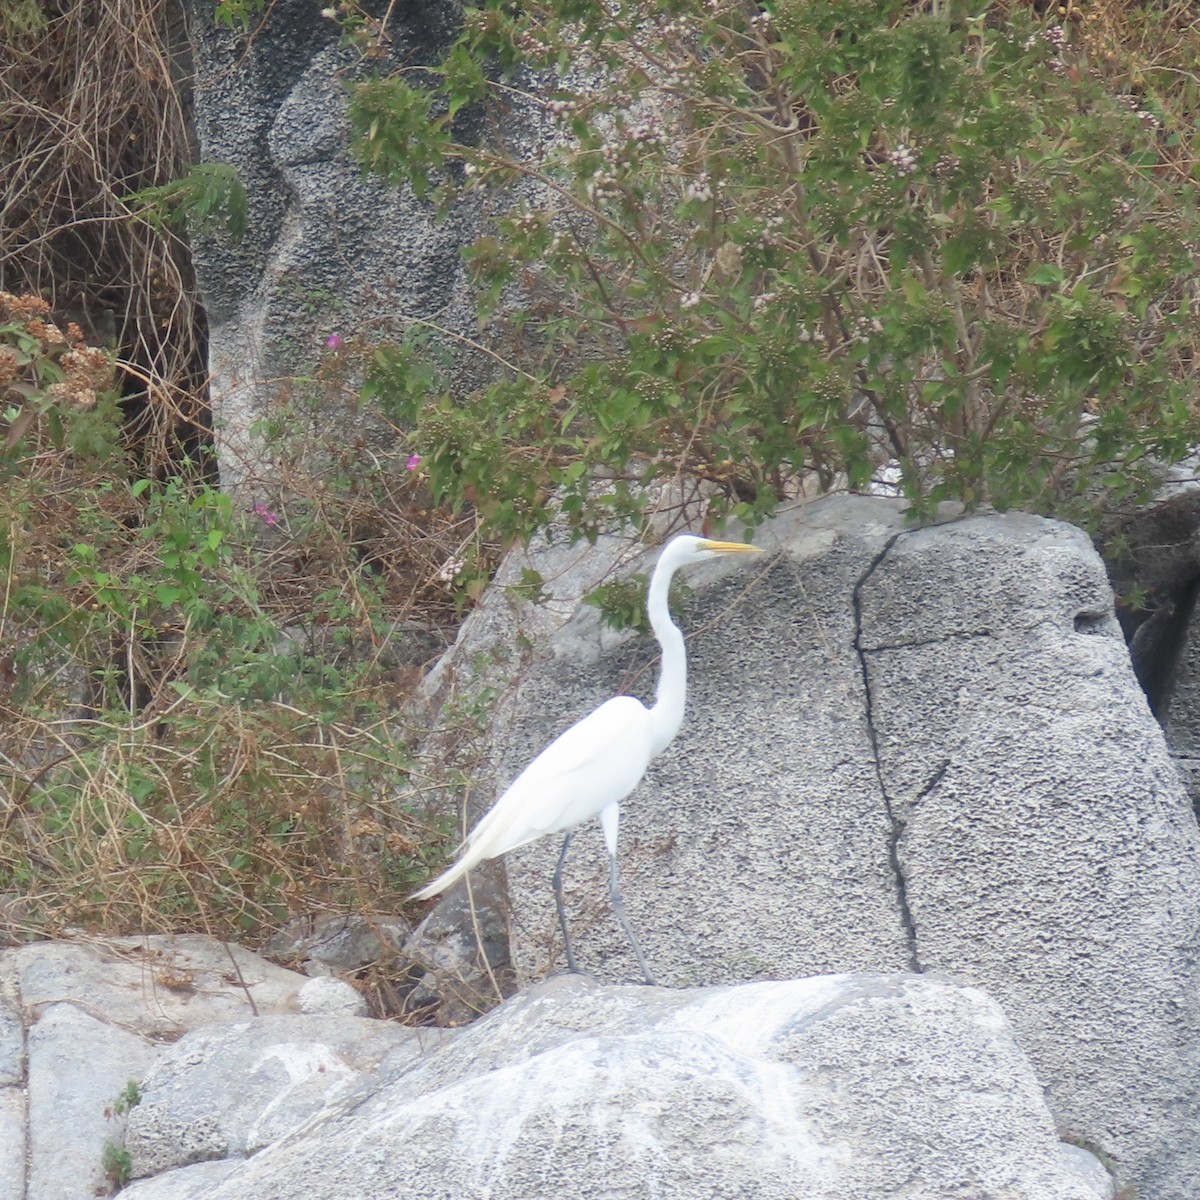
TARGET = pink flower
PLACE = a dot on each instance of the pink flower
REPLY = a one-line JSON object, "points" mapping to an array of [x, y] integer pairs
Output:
{"points": [[334, 341], [414, 461], [265, 515]]}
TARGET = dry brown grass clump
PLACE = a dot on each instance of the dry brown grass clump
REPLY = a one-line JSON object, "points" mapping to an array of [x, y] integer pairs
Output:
{"points": [[95, 108]]}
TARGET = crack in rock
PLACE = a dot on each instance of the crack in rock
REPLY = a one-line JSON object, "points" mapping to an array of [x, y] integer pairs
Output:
{"points": [[895, 822], [964, 635]]}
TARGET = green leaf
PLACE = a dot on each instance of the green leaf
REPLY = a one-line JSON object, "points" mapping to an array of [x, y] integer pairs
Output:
{"points": [[1046, 275]]}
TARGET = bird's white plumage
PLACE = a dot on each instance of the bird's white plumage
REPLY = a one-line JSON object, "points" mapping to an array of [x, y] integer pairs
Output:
{"points": [[599, 760], [596, 762]]}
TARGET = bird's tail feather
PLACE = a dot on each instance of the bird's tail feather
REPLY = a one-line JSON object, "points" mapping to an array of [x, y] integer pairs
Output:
{"points": [[493, 835], [473, 855]]}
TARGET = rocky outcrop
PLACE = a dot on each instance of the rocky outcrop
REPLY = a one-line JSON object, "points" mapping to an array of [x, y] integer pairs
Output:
{"points": [[905, 750], [327, 249], [132, 1056], [184, 1066], [828, 1088]]}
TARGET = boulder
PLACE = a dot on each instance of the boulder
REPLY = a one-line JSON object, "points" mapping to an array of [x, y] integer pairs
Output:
{"points": [[904, 750], [158, 985], [224, 1091], [79, 1066], [81, 1021], [12, 1141], [833, 1088], [327, 248]]}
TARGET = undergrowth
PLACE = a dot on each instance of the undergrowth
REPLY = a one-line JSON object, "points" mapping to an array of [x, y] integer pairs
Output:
{"points": [[198, 705]]}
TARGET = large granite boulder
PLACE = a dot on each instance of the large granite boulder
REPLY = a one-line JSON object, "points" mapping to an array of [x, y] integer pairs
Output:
{"points": [[835, 1088], [905, 750]]}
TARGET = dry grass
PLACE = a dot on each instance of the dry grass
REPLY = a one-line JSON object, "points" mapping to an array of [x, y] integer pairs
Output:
{"points": [[94, 108]]}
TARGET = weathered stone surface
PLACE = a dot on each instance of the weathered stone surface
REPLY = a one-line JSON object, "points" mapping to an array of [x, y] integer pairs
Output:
{"points": [[1045, 841], [325, 994], [183, 1183], [12, 1142], [228, 1090], [460, 951], [329, 945], [159, 985], [906, 749], [758, 845], [12, 1044], [831, 1089], [79, 1065], [326, 248]]}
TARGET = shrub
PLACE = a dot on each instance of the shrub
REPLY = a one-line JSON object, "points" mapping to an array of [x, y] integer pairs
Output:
{"points": [[197, 704], [769, 251]]}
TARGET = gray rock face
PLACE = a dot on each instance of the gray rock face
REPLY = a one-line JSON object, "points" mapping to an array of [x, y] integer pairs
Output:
{"points": [[183, 1183], [157, 985], [327, 249], [329, 945], [823, 1088], [1045, 840], [80, 1021], [907, 750], [12, 1142], [78, 1066], [228, 1090]]}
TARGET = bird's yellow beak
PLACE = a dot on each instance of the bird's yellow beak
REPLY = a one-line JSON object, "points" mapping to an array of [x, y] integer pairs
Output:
{"points": [[731, 547]]}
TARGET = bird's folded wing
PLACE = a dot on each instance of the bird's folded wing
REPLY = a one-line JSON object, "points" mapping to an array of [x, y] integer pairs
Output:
{"points": [[596, 762]]}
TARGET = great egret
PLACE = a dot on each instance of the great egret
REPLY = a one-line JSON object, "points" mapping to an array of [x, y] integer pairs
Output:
{"points": [[587, 770]]}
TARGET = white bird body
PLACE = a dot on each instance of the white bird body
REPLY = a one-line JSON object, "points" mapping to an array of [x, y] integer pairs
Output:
{"points": [[592, 766], [575, 778]]}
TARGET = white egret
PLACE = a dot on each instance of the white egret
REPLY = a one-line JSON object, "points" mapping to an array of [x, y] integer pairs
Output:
{"points": [[587, 770]]}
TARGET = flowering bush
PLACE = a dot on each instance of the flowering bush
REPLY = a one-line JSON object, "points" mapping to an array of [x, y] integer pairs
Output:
{"points": [[44, 371], [775, 250]]}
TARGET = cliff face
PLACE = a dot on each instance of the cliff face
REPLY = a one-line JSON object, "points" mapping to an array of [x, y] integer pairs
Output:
{"points": [[327, 250]]}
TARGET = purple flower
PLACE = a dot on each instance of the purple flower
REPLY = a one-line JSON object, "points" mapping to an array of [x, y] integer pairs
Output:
{"points": [[334, 341], [265, 515], [414, 461]]}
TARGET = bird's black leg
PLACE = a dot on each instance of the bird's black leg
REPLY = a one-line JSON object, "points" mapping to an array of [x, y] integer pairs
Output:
{"points": [[572, 965], [614, 891]]}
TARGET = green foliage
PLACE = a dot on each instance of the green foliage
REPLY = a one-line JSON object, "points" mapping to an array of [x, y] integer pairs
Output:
{"points": [[45, 373], [117, 1163], [774, 251], [196, 702], [622, 603], [129, 1097], [22, 18], [237, 13], [210, 196]]}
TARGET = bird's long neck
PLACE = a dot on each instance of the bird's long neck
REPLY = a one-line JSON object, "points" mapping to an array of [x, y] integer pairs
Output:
{"points": [[667, 713]]}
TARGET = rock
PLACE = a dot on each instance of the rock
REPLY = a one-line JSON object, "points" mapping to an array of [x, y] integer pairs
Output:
{"points": [[327, 945], [1089, 1169], [831, 1089], [158, 985], [328, 249], [183, 1183], [904, 749], [1153, 559], [460, 953], [228, 1090], [326, 995], [1044, 840], [12, 1142], [12, 1044], [769, 795], [79, 1065]]}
